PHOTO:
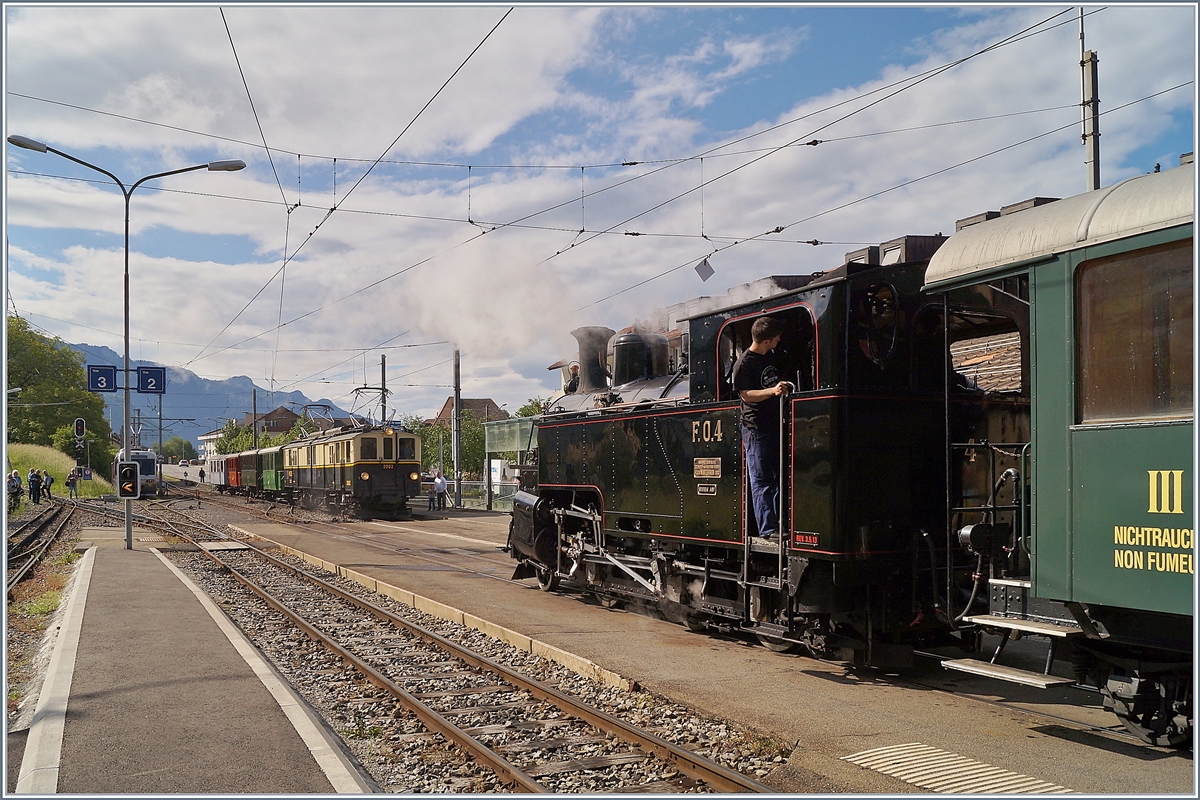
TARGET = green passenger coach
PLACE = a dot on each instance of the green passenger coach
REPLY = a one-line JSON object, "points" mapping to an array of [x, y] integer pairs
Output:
{"points": [[1110, 507]]}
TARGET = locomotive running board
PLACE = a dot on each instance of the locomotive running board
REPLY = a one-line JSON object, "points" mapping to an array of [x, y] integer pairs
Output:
{"points": [[1010, 674]]}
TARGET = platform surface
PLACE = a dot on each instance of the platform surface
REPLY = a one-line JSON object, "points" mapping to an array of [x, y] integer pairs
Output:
{"points": [[150, 692]]}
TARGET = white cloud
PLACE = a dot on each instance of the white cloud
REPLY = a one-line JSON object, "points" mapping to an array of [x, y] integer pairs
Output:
{"points": [[342, 81]]}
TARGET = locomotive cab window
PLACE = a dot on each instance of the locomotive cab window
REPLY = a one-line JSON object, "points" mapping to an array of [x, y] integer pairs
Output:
{"points": [[370, 448], [796, 347], [1134, 331], [389, 448], [408, 448]]}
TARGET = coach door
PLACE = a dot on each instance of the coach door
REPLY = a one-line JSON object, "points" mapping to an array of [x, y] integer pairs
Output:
{"points": [[1130, 444]]}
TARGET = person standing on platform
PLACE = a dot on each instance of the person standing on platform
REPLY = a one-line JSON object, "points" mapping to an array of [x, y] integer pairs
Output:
{"points": [[439, 484]]}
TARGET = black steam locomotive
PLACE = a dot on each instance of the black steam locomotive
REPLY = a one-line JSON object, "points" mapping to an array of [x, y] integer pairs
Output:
{"points": [[931, 465]]}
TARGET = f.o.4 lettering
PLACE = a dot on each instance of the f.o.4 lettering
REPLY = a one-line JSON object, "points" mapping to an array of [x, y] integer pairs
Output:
{"points": [[707, 431]]}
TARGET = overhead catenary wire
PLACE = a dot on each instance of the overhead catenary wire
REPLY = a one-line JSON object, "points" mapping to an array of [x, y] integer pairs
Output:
{"points": [[781, 228], [772, 151], [458, 165], [350, 191], [747, 239], [758, 237]]}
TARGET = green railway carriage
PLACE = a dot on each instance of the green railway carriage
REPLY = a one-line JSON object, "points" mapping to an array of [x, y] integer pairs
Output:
{"points": [[270, 473], [1110, 461]]}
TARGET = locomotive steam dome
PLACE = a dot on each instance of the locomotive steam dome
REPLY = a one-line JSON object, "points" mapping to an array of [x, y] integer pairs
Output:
{"points": [[638, 356]]}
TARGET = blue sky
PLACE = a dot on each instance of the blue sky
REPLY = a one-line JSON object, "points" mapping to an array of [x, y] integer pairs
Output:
{"points": [[562, 92]]}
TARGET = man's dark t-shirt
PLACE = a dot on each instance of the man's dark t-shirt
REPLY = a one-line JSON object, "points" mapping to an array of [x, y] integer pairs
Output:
{"points": [[753, 371]]}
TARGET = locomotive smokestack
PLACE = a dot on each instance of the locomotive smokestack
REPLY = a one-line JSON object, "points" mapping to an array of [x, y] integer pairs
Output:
{"points": [[593, 355]]}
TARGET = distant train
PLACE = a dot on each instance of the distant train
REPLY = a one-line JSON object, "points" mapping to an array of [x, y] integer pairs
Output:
{"points": [[991, 432], [367, 471]]}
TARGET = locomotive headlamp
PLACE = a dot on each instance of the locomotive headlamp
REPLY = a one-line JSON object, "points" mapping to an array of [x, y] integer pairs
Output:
{"points": [[389, 431], [365, 476], [414, 476]]}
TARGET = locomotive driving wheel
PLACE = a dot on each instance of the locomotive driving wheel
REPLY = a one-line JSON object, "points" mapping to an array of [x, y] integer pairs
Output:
{"points": [[547, 579], [775, 644]]}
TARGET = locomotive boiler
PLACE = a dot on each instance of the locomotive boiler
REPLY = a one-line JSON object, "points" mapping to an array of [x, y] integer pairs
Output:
{"points": [[990, 432]]}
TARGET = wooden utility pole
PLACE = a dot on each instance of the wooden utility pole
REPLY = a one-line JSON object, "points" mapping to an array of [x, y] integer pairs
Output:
{"points": [[1088, 63], [457, 433]]}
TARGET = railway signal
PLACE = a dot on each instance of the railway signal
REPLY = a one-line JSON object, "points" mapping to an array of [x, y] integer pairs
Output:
{"points": [[80, 427], [128, 485]]}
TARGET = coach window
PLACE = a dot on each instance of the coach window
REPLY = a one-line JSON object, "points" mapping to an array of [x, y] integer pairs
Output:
{"points": [[985, 352], [1134, 335], [370, 448], [389, 448]]}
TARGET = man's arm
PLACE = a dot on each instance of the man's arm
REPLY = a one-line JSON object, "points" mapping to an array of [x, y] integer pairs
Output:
{"points": [[758, 395]]}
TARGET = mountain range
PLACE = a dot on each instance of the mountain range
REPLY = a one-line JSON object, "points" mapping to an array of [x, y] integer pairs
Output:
{"points": [[191, 405]]}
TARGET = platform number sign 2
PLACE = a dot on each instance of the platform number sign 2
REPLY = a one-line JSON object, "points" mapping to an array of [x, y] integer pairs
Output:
{"points": [[101, 378], [152, 380]]}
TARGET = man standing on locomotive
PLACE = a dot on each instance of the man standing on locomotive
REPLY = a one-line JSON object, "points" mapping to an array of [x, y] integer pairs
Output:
{"points": [[756, 379]]}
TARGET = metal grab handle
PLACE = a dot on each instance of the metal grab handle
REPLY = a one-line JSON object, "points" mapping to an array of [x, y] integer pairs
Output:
{"points": [[1023, 534]]}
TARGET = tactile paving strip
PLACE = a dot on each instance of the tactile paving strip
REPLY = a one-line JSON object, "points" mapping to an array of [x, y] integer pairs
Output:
{"points": [[939, 771]]}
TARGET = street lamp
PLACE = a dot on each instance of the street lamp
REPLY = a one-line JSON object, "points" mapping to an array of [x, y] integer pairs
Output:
{"points": [[212, 166]]}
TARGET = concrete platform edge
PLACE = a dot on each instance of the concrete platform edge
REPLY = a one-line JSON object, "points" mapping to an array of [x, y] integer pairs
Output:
{"points": [[326, 747], [573, 662], [43, 749]]}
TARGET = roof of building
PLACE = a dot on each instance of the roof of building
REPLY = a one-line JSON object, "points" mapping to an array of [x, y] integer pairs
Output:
{"points": [[483, 408]]}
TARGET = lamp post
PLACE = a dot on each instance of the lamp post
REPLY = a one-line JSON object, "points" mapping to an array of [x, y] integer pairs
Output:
{"points": [[212, 166]]}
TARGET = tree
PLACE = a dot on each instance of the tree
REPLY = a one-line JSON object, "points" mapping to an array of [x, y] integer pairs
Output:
{"points": [[234, 438], [532, 407], [442, 433], [177, 447], [53, 393], [240, 438]]}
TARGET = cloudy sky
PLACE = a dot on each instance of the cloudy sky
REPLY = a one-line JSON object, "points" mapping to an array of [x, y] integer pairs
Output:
{"points": [[471, 174]]}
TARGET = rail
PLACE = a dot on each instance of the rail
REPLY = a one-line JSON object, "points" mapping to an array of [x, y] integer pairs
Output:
{"points": [[696, 767], [22, 561]]}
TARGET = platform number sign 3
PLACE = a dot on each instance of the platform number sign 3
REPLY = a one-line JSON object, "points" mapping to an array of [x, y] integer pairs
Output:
{"points": [[101, 378], [152, 380]]}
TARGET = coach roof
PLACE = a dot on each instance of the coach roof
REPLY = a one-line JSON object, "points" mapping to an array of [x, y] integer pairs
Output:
{"points": [[1137, 205]]}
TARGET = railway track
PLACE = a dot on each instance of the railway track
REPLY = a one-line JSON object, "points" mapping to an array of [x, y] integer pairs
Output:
{"points": [[530, 735], [1115, 730], [30, 543]]}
